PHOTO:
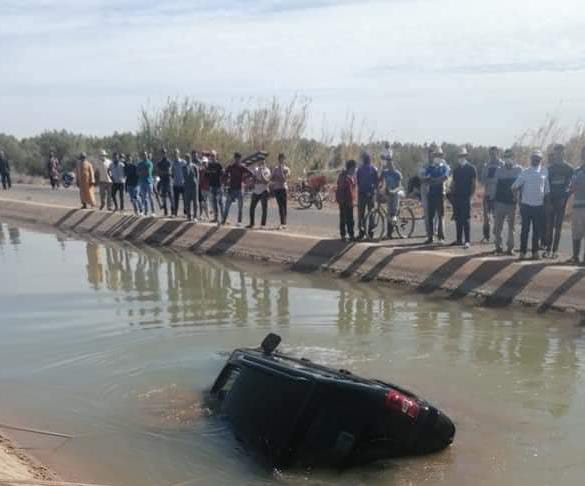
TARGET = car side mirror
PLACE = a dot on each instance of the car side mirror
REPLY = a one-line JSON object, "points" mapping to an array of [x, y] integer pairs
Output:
{"points": [[270, 343]]}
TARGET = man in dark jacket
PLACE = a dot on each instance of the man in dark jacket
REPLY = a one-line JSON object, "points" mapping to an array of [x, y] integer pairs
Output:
{"points": [[462, 190], [214, 176], [345, 196], [505, 203], [560, 174], [367, 184], [5, 171], [163, 170]]}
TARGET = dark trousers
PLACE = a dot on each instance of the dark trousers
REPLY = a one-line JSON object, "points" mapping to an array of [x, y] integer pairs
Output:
{"points": [[488, 215], [191, 200], [365, 204], [263, 199], [178, 192], [346, 221], [462, 213], [532, 216], [54, 182], [118, 190], [281, 200], [6, 182], [436, 208], [165, 194], [554, 217]]}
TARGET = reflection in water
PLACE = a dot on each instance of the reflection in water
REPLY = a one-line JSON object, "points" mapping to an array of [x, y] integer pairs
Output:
{"points": [[14, 235], [164, 289]]}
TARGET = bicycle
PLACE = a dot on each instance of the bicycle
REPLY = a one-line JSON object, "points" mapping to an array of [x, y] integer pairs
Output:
{"points": [[377, 220]]}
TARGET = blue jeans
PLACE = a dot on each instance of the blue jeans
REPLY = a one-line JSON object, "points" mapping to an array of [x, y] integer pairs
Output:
{"points": [[216, 200], [146, 195], [234, 195], [134, 198]]}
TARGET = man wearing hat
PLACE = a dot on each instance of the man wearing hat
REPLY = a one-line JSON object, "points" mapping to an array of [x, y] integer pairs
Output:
{"points": [[105, 181], [505, 202], [560, 174], [85, 181], [532, 186], [488, 180], [435, 176], [462, 189]]}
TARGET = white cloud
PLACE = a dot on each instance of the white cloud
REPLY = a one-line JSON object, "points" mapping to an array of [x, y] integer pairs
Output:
{"points": [[418, 69]]}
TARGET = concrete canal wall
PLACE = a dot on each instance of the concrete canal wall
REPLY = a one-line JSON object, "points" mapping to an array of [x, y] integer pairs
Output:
{"points": [[495, 281]]}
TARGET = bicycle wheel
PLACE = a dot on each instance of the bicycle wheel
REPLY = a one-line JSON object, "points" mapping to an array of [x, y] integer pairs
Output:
{"points": [[318, 201], [405, 225], [304, 200], [376, 224]]}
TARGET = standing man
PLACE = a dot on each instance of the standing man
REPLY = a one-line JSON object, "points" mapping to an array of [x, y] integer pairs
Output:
{"points": [[203, 188], [105, 182], [505, 202], [5, 171], [578, 214], [462, 189], [560, 174], [261, 174], [435, 176], [532, 184], [145, 171], [345, 196], [279, 178], [367, 183], [235, 174], [117, 173], [424, 187], [53, 170], [178, 182], [131, 173], [85, 181], [191, 188], [488, 180], [163, 170], [214, 173], [392, 180]]}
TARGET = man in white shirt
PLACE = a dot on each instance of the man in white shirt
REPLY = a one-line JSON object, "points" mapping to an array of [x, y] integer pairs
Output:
{"points": [[105, 181], [260, 193], [533, 186]]}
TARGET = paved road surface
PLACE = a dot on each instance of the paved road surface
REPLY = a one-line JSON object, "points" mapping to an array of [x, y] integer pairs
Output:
{"points": [[304, 221]]}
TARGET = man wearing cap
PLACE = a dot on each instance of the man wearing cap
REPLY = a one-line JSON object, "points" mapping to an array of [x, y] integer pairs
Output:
{"points": [[391, 178], [532, 185], [560, 174], [488, 180], [164, 172], [85, 181], [234, 175], [577, 188], [367, 183], [435, 176], [462, 189], [105, 181], [505, 202]]}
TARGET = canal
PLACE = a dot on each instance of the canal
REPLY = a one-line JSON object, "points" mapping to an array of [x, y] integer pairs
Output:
{"points": [[113, 344]]}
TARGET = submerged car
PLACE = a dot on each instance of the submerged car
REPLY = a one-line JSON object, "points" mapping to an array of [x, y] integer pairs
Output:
{"points": [[295, 413]]}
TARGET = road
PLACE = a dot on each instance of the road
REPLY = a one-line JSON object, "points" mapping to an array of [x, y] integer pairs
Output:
{"points": [[313, 222]]}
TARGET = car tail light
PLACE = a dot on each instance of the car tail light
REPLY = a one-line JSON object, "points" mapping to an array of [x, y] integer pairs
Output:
{"points": [[400, 403]]}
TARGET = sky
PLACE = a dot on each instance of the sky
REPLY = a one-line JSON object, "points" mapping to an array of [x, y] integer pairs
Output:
{"points": [[463, 71]]}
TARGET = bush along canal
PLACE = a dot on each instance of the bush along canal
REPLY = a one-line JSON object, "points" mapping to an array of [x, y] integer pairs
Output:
{"points": [[114, 345]]}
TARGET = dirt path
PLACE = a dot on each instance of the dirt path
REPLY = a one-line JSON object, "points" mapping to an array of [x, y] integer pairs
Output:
{"points": [[14, 464]]}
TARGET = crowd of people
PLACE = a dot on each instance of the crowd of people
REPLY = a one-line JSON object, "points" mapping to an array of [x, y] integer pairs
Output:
{"points": [[541, 191], [200, 182]]}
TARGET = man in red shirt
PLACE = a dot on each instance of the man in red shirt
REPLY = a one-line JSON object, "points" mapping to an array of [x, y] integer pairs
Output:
{"points": [[235, 173], [345, 195]]}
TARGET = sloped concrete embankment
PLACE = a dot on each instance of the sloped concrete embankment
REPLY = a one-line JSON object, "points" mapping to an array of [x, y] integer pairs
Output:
{"points": [[497, 281]]}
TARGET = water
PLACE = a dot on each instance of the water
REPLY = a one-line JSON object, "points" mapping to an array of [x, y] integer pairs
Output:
{"points": [[114, 344]]}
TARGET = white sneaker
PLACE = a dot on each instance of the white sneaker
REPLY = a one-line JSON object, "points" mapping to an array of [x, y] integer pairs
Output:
{"points": [[238, 225], [195, 220], [466, 245]]}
